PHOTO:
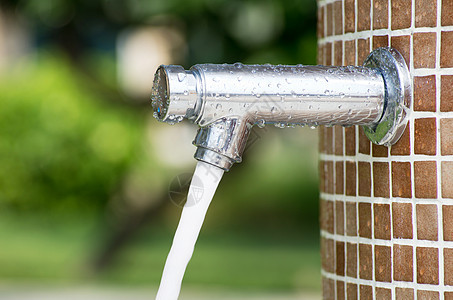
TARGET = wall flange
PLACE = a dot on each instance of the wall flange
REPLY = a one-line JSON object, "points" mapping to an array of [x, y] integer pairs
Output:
{"points": [[397, 94]]}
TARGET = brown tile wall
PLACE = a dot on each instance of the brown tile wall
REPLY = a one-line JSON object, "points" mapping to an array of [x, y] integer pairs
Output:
{"points": [[387, 212]]}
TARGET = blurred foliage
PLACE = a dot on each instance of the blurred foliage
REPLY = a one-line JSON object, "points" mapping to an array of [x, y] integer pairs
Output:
{"points": [[69, 138], [235, 260], [61, 147], [217, 31], [70, 142], [275, 187]]}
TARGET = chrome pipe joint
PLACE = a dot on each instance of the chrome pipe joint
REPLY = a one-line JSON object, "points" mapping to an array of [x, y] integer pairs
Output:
{"points": [[226, 101]]}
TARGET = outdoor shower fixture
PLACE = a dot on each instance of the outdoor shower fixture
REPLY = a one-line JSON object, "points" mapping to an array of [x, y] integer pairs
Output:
{"points": [[227, 100]]}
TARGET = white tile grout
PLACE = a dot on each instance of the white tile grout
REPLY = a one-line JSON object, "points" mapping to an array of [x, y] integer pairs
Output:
{"points": [[438, 155], [412, 141], [356, 18], [434, 71], [356, 129], [343, 130], [332, 45], [334, 209], [366, 158], [379, 242], [342, 42], [350, 36], [388, 285], [373, 244], [393, 287], [324, 2], [382, 200]]}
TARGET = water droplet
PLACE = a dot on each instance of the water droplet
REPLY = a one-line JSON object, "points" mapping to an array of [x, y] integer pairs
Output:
{"points": [[279, 85], [258, 95], [181, 76], [218, 106], [230, 110], [227, 96], [186, 93], [273, 109], [310, 107], [342, 95], [261, 123], [239, 78], [238, 65]]}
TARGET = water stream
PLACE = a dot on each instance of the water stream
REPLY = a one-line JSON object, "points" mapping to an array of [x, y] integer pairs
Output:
{"points": [[204, 183]]}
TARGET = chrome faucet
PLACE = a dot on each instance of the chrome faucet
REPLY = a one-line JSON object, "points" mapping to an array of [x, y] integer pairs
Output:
{"points": [[227, 100]]}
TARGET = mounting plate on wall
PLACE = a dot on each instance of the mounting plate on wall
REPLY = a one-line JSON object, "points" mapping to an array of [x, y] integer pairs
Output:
{"points": [[397, 80]]}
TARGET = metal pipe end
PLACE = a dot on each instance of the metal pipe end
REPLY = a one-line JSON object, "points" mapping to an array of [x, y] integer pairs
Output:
{"points": [[213, 158], [174, 94]]}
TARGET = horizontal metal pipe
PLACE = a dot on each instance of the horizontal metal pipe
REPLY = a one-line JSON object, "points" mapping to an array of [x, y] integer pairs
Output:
{"points": [[312, 95], [227, 100]]}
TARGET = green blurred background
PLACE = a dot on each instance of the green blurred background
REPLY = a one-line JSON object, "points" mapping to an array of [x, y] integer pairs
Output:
{"points": [[86, 172]]}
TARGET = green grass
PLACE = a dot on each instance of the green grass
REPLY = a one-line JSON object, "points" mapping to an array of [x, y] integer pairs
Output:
{"points": [[59, 251]]}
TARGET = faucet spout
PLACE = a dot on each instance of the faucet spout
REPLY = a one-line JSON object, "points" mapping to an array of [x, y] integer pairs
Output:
{"points": [[227, 100], [223, 142]]}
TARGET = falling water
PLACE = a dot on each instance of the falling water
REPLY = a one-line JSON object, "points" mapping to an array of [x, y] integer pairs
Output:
{"points": [[202, 188]]}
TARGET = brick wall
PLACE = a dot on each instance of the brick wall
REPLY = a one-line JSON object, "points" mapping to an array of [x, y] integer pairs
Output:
{"points": [[387, 213]]}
